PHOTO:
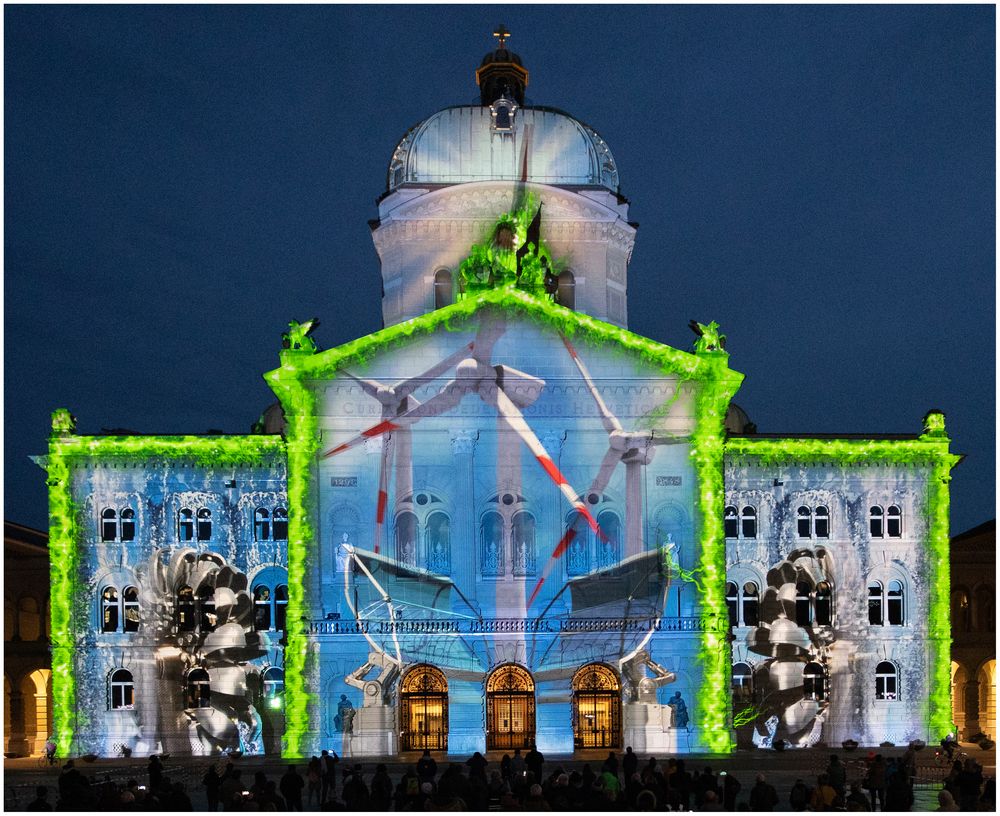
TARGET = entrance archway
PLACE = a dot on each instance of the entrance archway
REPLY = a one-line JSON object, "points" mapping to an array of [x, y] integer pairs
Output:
{"points": [[423, 697], [510, 708], [597, 708], [987, 677]]}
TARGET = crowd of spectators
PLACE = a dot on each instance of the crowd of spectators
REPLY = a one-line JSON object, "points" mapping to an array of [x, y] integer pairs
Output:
{"points": [[522, 782]]}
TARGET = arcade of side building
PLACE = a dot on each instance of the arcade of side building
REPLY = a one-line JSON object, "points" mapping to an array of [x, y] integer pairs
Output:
{"points": [[502, 521]]}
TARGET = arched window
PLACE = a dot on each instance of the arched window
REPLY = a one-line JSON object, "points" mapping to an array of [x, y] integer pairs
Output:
{"points": [[813, 523], [185, 609], [9, 620], [742, 683], [895, 604], [491, 545], [406, 538], [824, 604], [876, 522], [280, 607], [894, 522], [128, 524], [805, 518], [748, 522], [262, 608], [985, 616], [185, 524], [109, 524], [875, 614], [262, 524], [122, 689], [731, 521], [523, 544], [812, 682], [566, 291], [609, 547], [733, 603], [274, 683], [442, 288], [199, 690], [886, 681], [109, 609], [130, 608], [751, 604], [577, 536], [204, 524], [959, 610], [439, 543], [803, 605], [280, 528]]}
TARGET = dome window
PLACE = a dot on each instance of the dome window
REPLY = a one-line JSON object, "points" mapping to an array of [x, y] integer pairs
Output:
{"points": [[502, 112]]}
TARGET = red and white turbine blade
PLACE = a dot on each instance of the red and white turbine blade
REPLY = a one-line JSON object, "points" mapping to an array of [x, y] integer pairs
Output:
{"points": [[445, 400], [370, 387], [404, 388], [607, 468], [512, 416], [385, 462], [489, 332], [609, 420]]}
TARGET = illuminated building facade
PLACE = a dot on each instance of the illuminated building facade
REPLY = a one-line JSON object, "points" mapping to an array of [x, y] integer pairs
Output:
{"points": [[504, 520]]}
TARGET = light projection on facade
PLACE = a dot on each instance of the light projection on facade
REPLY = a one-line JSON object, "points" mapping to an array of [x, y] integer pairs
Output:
{"points": [[501, 522]]}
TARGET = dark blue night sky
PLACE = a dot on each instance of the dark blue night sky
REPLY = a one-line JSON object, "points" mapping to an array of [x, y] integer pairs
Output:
{"points": [[183, 181]]}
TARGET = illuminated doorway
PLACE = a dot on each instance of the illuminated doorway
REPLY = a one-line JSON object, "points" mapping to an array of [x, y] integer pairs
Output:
{"points": [[510, 708], [597, 708], [423, 696]]}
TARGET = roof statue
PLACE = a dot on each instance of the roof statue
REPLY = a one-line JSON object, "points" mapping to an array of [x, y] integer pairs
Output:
{"points": [[709, 338], [297, 337]]}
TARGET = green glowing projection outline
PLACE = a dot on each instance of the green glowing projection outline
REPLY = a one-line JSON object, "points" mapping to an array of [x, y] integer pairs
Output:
{"points": [[291, 383], [931, 449], [66, 448]]}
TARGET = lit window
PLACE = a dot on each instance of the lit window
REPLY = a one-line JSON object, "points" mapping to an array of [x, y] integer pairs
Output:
{"points": [[731, 522], [742, 683], [960, 610], [894, 522], [812, 680], [109, 610], [262, 524], [270, 598], [206, 602], [204, 524], [886, 681], [274, 682], [185, 609], [130, 608], [185, 524], [876, 522], [122, 689], [262, 608], [199, 690]]}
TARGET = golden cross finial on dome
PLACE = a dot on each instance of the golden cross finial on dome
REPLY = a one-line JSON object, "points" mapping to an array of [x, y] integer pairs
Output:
{"points": [[501, 34]]}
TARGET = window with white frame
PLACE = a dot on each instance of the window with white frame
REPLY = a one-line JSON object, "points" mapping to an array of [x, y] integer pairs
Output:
{"points": [[894, 521], [886, 603], [118, 525], [121, 689], [813, 682], [885, 524], [270, 599], [119, 611], [199, 689], [740, 522], [270, 524], [886, 681], [274, 682], [813, 522], [743, 603], [194, 524], [742, 683]]}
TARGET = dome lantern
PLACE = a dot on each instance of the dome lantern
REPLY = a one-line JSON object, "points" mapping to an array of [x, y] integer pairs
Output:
{"points": [[501, 73]]}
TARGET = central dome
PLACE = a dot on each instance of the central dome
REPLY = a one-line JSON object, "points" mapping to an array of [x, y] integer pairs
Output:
{"points": [[470, 143]]}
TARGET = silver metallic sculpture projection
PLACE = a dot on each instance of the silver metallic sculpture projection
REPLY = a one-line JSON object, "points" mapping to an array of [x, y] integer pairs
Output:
{"points": [[795, 637], [199, 612]]}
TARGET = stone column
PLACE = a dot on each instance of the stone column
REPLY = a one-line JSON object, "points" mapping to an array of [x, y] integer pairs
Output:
{"points": [[972, 712], [18, 744], [464, 546]]}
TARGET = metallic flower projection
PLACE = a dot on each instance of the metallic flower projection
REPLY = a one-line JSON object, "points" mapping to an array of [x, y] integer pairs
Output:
{"points": [[199, 605], [794, 641]]}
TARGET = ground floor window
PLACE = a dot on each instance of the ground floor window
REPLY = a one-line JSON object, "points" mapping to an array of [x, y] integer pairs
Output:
{"points": [[510, 708], [597, 708], [423, 697]]}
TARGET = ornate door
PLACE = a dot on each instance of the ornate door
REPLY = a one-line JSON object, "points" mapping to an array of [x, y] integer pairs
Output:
{"points": [[510, 708], [423, 697], [597, 708]]}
